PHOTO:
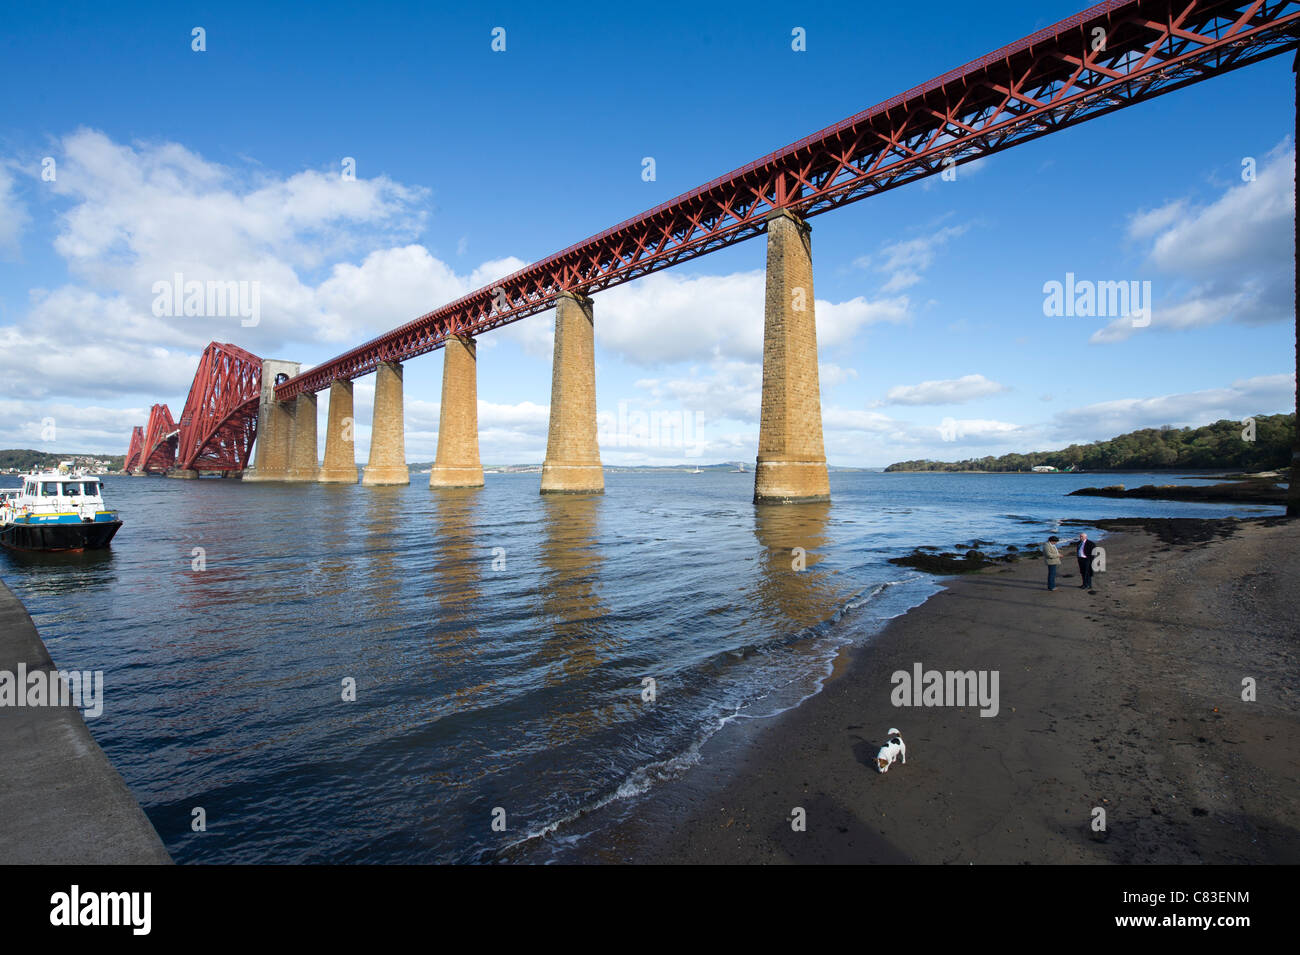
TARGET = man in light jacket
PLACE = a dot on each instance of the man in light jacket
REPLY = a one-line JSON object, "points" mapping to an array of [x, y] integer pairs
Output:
{"points": [[1053, 560]]}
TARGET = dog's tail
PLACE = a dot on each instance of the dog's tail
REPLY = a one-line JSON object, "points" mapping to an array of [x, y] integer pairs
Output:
{"points": [[894, 732]]}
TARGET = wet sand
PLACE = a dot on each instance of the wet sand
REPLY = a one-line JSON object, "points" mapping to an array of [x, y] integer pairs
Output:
{"points": [[1128, 699]]}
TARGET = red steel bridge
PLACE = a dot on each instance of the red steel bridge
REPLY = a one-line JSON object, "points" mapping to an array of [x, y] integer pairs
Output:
{"points": [[217, 427], [1106, 58]]}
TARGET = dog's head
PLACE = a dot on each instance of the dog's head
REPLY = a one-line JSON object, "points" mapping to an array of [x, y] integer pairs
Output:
{"points": [[882, 764]]}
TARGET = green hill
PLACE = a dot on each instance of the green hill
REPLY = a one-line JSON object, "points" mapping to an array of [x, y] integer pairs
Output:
{"points": [[1218, 445]]}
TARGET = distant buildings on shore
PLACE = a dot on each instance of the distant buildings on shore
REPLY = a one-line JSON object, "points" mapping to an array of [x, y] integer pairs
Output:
{"points": [[88, 463]]}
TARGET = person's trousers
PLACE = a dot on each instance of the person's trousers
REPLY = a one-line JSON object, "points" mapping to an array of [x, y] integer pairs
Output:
{"points": [[1051, 576], [1085, 571]]}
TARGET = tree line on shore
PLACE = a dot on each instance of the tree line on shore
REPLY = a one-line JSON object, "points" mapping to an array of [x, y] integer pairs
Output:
{"points": [[1223, 444], [24, 459]]}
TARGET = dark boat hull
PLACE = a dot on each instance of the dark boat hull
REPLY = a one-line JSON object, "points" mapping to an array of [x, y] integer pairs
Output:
{"points": [[84, 535]]}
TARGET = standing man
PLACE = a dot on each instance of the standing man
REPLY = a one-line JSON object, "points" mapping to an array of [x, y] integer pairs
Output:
{"points": [[1086, 548], [1053, 560]]}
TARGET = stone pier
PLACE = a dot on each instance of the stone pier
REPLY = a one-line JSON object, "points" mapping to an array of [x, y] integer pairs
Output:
{"points": [[184, 474], [303, 464], [340, 457], [274, 425], [457, 463], [572, 464], [387, 435], [791, 455]]}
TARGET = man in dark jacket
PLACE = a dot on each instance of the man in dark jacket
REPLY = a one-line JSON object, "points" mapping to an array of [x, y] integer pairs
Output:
{"points": [[1084, 552]]}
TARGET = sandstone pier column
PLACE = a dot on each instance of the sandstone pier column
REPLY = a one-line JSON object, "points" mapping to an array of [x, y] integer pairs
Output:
{"points": [[303, 464], [340, 457], [274, 433], [791, 456], [457, 462], [274, 425], [388, 434], [572, 464]]}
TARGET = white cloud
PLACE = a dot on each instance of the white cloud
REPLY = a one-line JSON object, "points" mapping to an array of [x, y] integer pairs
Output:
{"points": [[904, 261], [1260, 395], [76, 427], [136, 215], [395, 285], [667, 318], [725, 389], [1230, 260], [13, 214], [943, 392], [140, 214], [1149, 222], [831, 375]]}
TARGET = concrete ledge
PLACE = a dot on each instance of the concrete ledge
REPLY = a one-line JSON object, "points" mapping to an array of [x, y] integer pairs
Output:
{"points": [[385, 475], [337, 476], [456, 476], [61, 800]]}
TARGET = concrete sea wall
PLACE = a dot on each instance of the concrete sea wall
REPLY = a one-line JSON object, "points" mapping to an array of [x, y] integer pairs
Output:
{"points": [[61, 800]]}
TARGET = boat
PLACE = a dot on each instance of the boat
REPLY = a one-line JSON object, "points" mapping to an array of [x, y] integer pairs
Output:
{"points": [[696, 471], [60, 509]]}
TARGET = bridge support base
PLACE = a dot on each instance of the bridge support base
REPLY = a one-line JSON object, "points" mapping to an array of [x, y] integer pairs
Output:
{"points": [[275, 432], [791, 464], [184, 474], [340, 459], [387, 434], [274, 425], [457, 463], [303, 465], [572, 464]]}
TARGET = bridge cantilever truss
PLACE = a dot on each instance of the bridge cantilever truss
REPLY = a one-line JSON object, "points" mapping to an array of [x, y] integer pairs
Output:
{"points": [[217, 427], [157, 454], [1105, 58], [135, 450], [219, 423]]}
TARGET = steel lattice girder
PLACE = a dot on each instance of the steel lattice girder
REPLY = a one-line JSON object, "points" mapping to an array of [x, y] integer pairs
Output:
{"points": [[158, 452], [1043, 83], [219, 423], [135, 448]]}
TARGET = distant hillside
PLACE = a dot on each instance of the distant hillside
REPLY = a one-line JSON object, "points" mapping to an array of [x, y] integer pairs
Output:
{"points": [[24, 459], [1218, 445]]}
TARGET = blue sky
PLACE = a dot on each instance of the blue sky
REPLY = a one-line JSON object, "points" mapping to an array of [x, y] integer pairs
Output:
{"points": [[225, 165]]}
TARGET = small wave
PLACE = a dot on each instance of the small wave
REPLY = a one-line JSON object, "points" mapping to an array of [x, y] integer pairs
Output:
{"points": [[823, 640]]}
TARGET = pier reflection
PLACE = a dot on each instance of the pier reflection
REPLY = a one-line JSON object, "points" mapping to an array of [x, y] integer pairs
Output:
{"points": [[571, 607], [382, 527], [791, 585], [331, 572], [454, 596], [574, 638], [454, 588]]}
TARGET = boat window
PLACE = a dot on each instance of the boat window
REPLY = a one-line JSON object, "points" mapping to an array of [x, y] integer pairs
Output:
{"points": [[71, 488], [49, 489], [91, 488]]}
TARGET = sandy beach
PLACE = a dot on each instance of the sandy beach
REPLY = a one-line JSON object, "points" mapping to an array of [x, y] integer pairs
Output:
{"points": [[1127, 699]]}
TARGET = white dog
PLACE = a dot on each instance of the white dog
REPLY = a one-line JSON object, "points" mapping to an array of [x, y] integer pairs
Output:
{"points": [[892, 750]]}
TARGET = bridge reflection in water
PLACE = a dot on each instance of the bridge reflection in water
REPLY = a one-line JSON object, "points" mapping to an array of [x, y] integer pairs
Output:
{"points": [[791, 585]]}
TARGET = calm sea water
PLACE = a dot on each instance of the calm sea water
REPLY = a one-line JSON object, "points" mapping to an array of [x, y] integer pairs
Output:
{"points": [[498, 641]]}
